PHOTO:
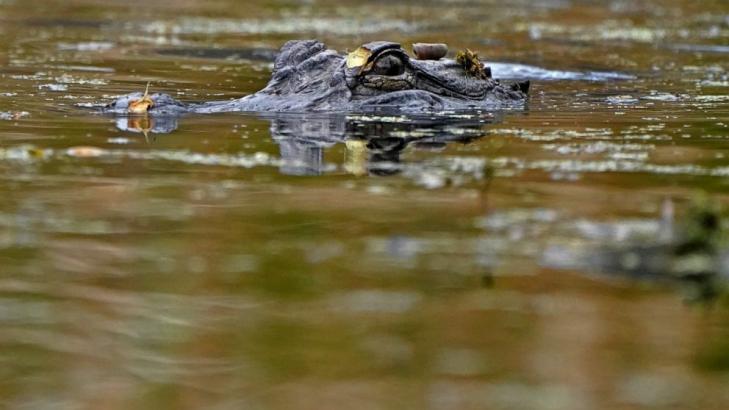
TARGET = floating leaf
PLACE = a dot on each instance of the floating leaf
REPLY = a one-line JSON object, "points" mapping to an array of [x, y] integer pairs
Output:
{"points": [[358, 57], [143, 104]]}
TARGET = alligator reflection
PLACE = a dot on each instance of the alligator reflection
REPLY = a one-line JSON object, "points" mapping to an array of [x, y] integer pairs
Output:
{"points": [[373, 146], [373, 143], [146, 124]]}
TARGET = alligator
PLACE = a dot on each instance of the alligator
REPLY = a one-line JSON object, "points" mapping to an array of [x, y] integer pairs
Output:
{"points": [[307, 76]]}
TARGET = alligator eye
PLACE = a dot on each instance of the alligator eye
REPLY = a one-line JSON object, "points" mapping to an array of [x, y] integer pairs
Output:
{"points": [[388, 65]]}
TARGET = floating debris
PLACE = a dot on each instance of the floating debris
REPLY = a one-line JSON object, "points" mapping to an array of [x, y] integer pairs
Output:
{"points": [[142, 105], [471, 64]]}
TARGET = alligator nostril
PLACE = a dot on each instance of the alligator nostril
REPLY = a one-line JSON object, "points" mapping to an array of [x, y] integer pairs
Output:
{"points": [[524, 87]]}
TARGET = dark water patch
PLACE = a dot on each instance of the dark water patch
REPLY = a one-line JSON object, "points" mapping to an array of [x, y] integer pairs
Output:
{"points": [[255, 54], [67, 22]]}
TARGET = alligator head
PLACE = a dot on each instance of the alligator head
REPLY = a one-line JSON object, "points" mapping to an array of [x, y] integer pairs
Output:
{"points": [[388, 76], [309, 77]]}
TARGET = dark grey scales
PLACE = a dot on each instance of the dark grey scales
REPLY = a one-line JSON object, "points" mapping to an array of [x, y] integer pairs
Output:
{"points": [[309, 77]]}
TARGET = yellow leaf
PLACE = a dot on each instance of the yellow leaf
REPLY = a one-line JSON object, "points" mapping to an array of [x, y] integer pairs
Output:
{"points": [[358, 57]]}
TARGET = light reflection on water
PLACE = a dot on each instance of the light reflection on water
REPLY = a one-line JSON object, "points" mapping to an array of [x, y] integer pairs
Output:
{"points": [[386, 261]]}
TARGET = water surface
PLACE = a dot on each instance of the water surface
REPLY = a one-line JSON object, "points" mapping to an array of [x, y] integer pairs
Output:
{"points": [[349, 260]]}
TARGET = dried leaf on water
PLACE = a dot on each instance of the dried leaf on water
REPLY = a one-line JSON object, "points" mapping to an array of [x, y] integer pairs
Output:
{"points": [[142, 105]]}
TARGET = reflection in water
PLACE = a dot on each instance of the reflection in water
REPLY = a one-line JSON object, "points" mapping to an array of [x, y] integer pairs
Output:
{"points": [[690, 252], [146, 124], [687, 252], [373, 143], [191, 273], [372, 146]]}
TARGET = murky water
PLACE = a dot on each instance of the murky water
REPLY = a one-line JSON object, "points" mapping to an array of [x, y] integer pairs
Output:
{"points": [[359, 261]]}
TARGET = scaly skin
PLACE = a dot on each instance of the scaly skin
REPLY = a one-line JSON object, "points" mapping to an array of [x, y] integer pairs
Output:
{"points": [[309, 77]]}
